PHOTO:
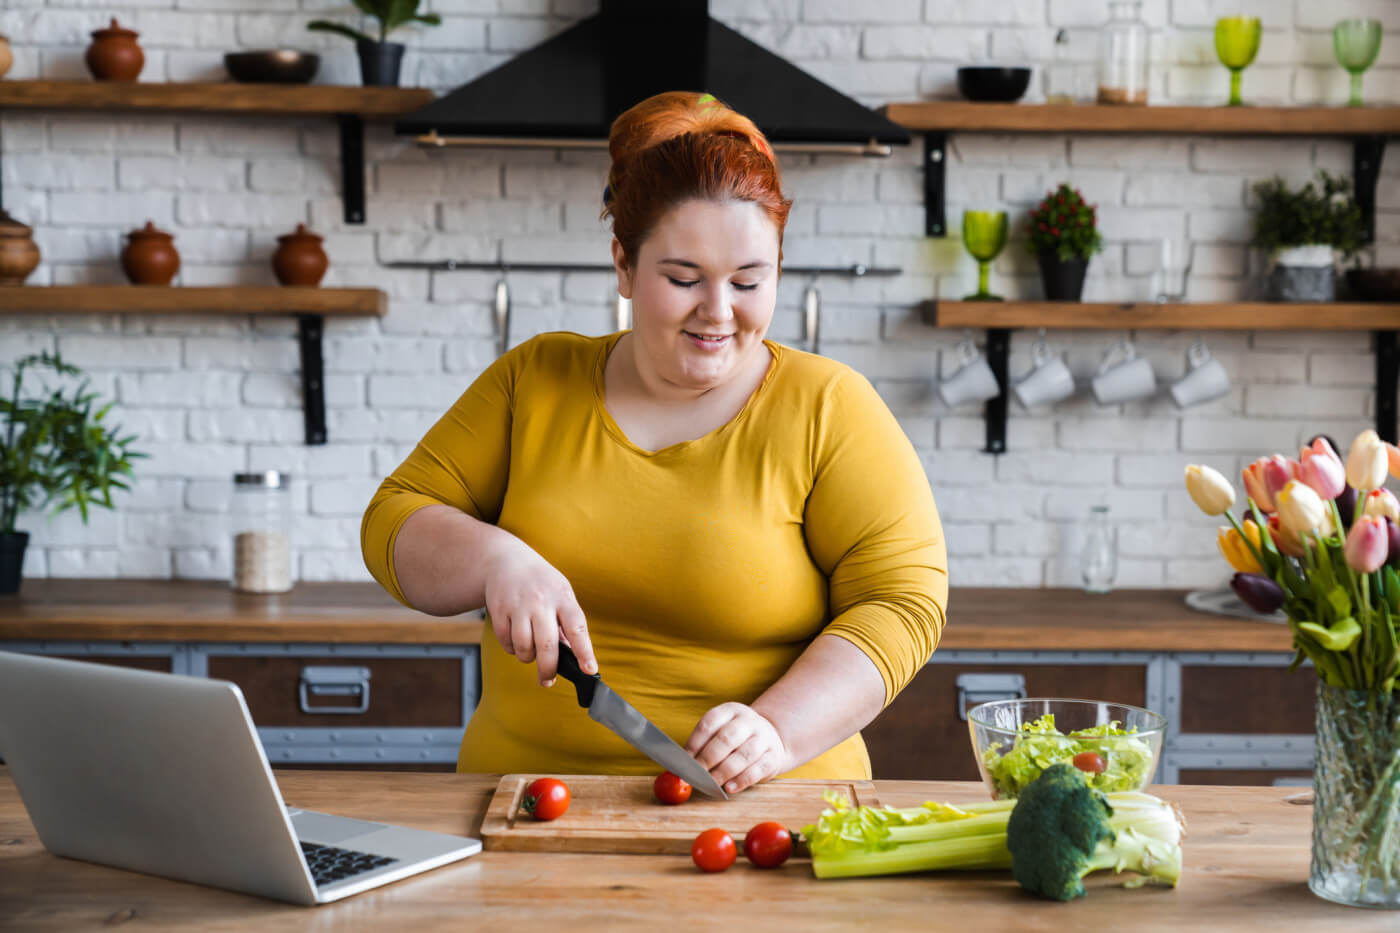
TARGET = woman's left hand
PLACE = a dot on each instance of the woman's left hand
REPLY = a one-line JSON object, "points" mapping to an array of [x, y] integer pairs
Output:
{"points": [[738, 746]]}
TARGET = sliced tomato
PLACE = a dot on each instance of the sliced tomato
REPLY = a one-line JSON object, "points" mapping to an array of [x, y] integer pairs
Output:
{"points": [[1090, 762]]}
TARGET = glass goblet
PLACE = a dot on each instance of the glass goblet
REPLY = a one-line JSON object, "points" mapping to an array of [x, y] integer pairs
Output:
{"points": [[1357, 42], [1236, 44], [984, 235]]}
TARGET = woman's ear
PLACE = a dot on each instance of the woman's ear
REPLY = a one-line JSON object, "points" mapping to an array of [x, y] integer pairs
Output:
{"points": [[624, 271]]}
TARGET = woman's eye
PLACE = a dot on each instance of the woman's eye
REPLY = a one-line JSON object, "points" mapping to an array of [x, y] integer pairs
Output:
{"points": [[682, 282], [746, 288]]}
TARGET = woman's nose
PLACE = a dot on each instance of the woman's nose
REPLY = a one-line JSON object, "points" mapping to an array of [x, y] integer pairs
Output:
{"points": [[714, 304]]}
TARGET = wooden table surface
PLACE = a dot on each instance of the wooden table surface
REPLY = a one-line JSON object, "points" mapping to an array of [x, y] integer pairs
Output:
{"points": [[979, 619], [1246, 868]]}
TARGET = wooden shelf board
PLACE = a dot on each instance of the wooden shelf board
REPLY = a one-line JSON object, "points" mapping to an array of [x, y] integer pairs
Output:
{"points": [[1071, 315], [213, 97], [162, 299], [1091, 118]]}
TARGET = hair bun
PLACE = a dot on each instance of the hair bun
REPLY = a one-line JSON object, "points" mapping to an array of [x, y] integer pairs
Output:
{"points": [[674, 113]]}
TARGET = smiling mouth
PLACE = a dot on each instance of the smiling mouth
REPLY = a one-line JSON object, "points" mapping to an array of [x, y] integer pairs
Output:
{"points": [[709, 338]]}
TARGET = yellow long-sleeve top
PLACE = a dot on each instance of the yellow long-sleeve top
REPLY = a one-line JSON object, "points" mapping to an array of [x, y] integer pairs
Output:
{"points": [[704, 569]]}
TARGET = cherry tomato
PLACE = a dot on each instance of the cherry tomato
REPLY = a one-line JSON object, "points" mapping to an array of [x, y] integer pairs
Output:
{"points": [[1092, 762], [768, 845], [713, 850], [546, 799], [670, 789]]}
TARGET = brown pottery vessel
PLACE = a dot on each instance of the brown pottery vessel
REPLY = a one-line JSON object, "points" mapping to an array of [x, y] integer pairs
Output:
{"points": [[299, 259], [150, 257], [18, 254], [114, 54], [7, 57]]}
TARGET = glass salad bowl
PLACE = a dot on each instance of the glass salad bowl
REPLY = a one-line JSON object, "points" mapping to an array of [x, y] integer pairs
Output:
{"points": [[1115, 745]]}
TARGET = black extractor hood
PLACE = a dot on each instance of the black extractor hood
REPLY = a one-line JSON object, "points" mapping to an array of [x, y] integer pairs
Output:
{"points": [[569, 89]]}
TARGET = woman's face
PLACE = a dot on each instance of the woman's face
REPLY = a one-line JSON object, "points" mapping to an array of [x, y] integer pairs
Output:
{"points": [[703, 292]]}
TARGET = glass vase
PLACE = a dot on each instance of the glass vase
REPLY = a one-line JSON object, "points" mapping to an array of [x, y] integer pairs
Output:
{"points": [[1356, 810]]}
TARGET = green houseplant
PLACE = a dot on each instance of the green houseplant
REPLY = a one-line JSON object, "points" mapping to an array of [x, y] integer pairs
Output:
{"points": [[1064, 233], [56, 448], [1303, 230], [379, 58]]}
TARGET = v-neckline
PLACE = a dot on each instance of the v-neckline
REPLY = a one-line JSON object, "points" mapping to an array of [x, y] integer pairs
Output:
{"points": [[620, 436]]}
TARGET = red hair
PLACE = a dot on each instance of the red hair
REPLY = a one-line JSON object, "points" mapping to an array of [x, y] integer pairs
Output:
{"points": [[680, 146]]}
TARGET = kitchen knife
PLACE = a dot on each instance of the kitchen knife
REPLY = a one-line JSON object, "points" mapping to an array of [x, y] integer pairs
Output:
{"points": [[606, 707]]}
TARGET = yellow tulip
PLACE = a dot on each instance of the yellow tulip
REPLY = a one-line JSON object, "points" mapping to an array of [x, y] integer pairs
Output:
{"points": [[1234, 549], [1211, 491], [1367, 462], [1301, 510]]}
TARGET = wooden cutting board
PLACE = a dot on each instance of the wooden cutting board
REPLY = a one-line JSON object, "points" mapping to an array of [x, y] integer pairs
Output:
{"points": [[617, 814]]}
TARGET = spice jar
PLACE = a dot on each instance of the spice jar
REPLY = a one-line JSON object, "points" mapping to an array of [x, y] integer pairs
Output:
{"points": [[261, 524], [1123, 55]]}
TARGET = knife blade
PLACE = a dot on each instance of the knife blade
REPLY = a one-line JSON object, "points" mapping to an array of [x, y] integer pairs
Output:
{"points": [[607, 708]]}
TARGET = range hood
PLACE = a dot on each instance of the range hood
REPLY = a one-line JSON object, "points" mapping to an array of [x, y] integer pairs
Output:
{"points": [[567, 90]]}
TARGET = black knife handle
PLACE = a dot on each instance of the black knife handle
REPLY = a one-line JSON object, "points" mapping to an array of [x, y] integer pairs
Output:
{"points": [[584, 684]]}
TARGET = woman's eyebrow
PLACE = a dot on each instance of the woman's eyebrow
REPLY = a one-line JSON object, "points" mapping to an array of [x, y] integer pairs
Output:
{"points": [[757, 264]]}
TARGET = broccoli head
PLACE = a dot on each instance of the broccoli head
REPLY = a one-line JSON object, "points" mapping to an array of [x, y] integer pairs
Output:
{"points": [[1061, 830]]}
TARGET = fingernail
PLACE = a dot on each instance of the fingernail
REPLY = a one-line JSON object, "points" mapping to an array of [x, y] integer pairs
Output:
{"points": [[549, 682], [731, 787]]}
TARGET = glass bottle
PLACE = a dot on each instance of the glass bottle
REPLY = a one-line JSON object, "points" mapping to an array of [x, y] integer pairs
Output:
{"points": [[1098, 561], [1123, 55], [260, 519]]}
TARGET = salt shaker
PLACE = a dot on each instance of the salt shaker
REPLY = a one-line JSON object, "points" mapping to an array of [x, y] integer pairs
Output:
{"points": [[261, 519]]}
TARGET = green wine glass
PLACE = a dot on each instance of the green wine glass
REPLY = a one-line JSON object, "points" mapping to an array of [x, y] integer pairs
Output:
{"points": [[984, 235], [1236, 43], [1357, 43]]}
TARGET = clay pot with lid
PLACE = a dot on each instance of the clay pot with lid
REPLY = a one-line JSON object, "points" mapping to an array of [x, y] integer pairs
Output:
{"points": [[299, 259], [7, 57], [18, 254], [150, 257], [114, 54]]}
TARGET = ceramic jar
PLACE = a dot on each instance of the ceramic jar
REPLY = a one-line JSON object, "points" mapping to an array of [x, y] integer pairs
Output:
{"points": [[150, 257], [7, 58], [299, 259], [18, 254], [114, 54]]}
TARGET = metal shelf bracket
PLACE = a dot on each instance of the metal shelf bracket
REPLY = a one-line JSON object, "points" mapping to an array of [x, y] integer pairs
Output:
{"points": [[310, 329], [935, 175], [1366, 155], [1387, 371], [998, 355], [352, 166]]}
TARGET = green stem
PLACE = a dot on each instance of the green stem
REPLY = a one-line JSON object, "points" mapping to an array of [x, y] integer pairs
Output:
{"points": [[1235, 100], [983, 270], [1355, 90]]}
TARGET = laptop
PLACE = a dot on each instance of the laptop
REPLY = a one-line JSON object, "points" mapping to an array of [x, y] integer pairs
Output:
{"points": [[164, 774]]}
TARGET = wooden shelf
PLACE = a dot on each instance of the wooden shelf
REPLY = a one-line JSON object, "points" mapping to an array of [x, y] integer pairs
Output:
{"points": [[162, 299], [327, 99], [1073, 315], [964, 116]]}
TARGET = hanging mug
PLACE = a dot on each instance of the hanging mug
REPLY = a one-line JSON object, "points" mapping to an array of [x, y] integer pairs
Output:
{"points": [[1123, 376]]}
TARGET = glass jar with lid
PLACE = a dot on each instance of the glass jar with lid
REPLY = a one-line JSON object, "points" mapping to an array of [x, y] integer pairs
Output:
{"points": [[1123, 55], [1098, 561], [260, 518]]}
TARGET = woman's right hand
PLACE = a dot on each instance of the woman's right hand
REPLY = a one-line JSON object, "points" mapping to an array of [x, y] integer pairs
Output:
{"points": [[531, 604]]}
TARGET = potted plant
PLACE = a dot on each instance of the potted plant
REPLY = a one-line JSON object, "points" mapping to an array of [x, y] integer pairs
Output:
{"points": [[1303, 231], [379, 59], [1064, 233], [55, 448]]}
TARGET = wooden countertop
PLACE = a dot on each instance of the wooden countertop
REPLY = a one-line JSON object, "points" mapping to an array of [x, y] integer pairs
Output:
{"points": [[1246, 868], [980, 619]]}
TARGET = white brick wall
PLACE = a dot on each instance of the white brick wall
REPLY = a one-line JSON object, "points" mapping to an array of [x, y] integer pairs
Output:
{"points": [[213, 395]]}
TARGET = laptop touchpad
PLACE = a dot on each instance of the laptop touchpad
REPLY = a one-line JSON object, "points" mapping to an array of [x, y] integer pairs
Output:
{"points": [[329, 830]]}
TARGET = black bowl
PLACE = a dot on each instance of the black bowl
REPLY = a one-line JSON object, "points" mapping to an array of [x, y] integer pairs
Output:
{"points": [[272, 66], [991, 83]]}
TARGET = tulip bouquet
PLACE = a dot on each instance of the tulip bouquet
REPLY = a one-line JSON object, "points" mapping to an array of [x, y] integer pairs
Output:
{"points": [[1319, 539]]}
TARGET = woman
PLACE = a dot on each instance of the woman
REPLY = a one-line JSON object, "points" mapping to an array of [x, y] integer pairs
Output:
{"points": [[737, 534]]}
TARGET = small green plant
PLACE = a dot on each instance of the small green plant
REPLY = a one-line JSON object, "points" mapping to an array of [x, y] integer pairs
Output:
{"points": [[391, 15], [55, 448], [1325, 214], [1066, 225]]}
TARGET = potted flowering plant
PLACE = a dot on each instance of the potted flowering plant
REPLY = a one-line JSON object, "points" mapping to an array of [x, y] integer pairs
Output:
{"points": [[55, 447], [1319, 539], [1064, 233]]}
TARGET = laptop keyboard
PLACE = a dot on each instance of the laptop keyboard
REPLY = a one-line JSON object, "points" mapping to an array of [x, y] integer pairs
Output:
{"points": [[328, 864]]}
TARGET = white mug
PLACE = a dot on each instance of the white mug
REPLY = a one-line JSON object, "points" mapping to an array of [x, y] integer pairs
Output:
{"points": [[974, 380], [1123, 380], [1049, 380], [1205, 379]]}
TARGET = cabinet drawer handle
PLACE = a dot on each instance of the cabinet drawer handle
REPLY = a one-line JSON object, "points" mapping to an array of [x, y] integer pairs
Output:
{"points": [[983, 688], [329, 681]]}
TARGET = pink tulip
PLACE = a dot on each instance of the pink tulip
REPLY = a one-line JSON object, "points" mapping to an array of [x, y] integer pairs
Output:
{"points": [[1265, 477], [1367, 545], [1286, 541], [1320, 468]]}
